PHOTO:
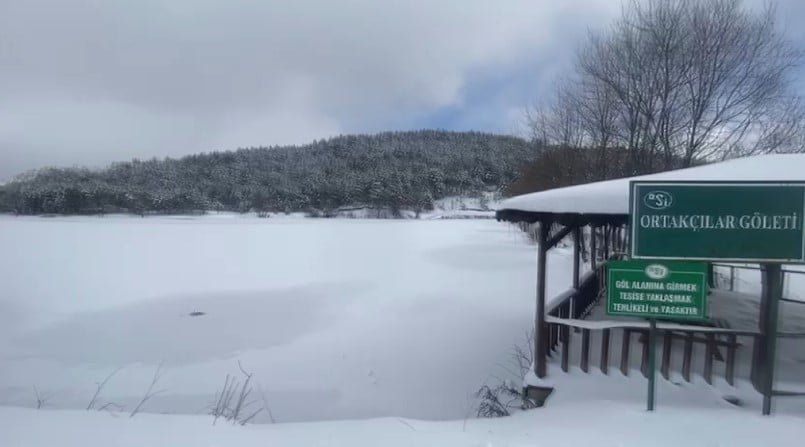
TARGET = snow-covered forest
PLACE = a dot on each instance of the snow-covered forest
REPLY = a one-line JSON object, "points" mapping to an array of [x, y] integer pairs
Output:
{"points": [[391, 170]]}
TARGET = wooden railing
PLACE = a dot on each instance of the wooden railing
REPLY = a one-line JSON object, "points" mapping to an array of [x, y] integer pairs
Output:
{"points": [[714, 340], [565, 318], [564, 327]]}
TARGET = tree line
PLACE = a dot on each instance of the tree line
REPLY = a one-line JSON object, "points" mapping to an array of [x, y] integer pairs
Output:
{"points": [[390, 170]]}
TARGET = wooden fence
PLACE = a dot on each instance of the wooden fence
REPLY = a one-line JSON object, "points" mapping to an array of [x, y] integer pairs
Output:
{"points": [[566, 318]]}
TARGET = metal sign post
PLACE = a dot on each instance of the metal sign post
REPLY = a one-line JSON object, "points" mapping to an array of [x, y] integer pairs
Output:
{"points": [[652, 361], [774, 289]]}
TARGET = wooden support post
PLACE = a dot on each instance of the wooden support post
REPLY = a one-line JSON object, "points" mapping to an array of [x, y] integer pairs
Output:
{"points": [[605, 351], [729, 371], [687, 356], [607, 231], [585, 350], [667, 345], [626, 340], [576, 269], [565, 347], [708, 357], [593, 249], [541, 331]]}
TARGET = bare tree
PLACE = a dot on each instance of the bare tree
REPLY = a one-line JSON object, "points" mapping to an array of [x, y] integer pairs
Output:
{"points": [[597, 115], [676, 81], [737, 78]]}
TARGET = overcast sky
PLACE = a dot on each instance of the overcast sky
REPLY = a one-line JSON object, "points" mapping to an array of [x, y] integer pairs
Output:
{"points": [[88, 82]]}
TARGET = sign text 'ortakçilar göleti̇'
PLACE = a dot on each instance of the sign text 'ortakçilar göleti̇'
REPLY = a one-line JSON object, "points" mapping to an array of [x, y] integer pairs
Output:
{"points": [[754, 221]]}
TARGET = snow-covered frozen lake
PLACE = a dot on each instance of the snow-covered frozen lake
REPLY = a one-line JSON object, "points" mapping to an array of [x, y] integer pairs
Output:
{"points": [[335, 318]]}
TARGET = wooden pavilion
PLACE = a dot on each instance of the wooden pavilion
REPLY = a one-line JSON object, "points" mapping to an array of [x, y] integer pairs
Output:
{"points": [[598, 212]]}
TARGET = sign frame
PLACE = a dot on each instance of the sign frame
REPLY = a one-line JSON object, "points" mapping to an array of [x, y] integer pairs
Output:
{"points": [[633, 218]]}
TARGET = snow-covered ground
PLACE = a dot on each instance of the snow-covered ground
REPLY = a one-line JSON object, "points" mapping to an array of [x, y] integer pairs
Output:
{"points": [[597, 423], [335, 318]]}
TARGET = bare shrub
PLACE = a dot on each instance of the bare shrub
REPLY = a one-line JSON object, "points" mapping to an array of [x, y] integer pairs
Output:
{"points": [[150, 392], [41, 398], [498, 401], [99, 388], [233, 402], [522, 356]]}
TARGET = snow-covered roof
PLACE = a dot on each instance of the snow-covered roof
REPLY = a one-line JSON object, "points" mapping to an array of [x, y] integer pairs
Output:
{"points": [[611, 197]]}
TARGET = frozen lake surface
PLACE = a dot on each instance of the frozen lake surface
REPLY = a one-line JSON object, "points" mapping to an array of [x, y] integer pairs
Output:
{"points": [[335, 318]]}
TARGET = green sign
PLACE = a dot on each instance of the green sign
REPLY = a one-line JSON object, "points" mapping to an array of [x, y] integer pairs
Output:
{"points": [[658, 289], [746, 221]]}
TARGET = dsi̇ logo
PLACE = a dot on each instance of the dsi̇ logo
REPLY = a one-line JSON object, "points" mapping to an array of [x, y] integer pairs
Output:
{"points": [[657, 271], [658, 200]]}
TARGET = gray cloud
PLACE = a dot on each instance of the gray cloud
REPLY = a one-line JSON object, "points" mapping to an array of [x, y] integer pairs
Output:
{"points": [[88, 82]]}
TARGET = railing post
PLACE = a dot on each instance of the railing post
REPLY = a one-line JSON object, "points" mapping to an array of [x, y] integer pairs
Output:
{"points": [[646, 352], [626, 340], [708, 357], [729, 372], [687, 356], [585, 350], [667, 345], [605, 351], [565, 347]]}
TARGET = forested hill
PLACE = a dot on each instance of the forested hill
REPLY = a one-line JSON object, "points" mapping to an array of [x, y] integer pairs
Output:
{"points": [[392, 170]]}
